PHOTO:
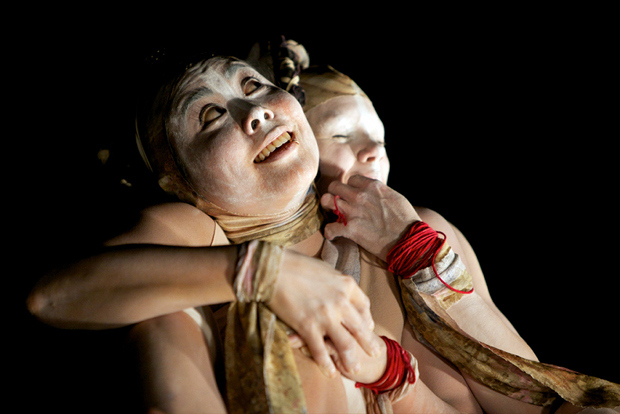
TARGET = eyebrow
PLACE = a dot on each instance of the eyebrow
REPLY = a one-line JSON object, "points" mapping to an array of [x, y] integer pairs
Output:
{"points": [[234, 67], [201, 92], [194, 96]]}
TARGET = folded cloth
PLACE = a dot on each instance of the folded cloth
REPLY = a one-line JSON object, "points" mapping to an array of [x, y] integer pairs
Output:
{"points": [[519, 378], [261, 373]]}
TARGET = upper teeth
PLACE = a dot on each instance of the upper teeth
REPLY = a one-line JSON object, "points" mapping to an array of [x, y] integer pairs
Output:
{"points": [[276, 143]]}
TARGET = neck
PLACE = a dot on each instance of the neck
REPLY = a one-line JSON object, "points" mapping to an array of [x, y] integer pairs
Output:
{"points": [[310, 246]]}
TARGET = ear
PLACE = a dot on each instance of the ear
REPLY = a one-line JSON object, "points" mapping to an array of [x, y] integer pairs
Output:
{"points": [[175, 184], [166, 183]]}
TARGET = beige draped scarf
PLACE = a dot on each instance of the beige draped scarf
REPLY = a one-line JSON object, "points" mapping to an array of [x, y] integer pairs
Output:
{"points": [[287, 228], [261, 373], [529, 381], [260, 369], [426, 303]]}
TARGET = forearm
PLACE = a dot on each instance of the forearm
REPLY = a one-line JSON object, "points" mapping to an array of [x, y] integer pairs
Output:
{"points": [[449, 285], [131, 283], [400, 384], [474, 316], [475, 312]]}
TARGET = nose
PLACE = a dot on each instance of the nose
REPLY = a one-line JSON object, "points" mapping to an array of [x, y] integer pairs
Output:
{"points": [[255, 118], [371, 151]]}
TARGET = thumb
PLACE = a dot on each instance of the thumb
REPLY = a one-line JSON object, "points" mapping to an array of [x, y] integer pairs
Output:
{"points": [[333, 230]]}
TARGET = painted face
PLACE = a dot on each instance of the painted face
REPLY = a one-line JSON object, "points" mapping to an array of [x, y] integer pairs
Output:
{"points": [[244, 144], [350, 136]]}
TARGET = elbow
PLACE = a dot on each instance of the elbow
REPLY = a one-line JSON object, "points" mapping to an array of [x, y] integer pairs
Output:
{"points": [[44, 308], [43, 300], [39, 305], [57, 300]]}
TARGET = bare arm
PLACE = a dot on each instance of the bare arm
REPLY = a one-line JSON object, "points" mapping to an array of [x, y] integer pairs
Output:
{"points": [[378, 217], [477, 314], [143, 276], [419, 400], [127, 283], [160, 266]]}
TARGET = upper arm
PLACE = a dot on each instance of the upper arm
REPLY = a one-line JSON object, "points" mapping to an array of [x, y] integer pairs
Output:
{"points": [[172, 224]]}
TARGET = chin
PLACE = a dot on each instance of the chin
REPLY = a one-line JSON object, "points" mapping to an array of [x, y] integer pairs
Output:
{"points": [[282, 190], [294, 185]]}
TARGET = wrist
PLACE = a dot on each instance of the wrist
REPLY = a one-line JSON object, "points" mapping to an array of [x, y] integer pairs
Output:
{"points": [[399, 368], [257, 271], [396, 238], [289, 263], [378, 367]]}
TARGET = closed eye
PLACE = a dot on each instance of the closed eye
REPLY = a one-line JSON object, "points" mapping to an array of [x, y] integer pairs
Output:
{"points": [[210, 113], [251, 85]]}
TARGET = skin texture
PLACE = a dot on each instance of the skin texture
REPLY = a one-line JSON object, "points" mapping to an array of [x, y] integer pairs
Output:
{"points": [[225, 115], [350, 137], [376, 219], [150, 284], [168, 267], [351, 142]]}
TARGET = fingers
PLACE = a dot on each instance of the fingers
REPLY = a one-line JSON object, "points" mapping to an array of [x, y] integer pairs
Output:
{"points": [[361, 326], [328, 201], [333, 230], [365, 314], [344, 345], [356, 327], [331, 202], [362, 192], [343, 190], [355, 184], [318, 302], [359, 181], [338, 228], [295, 341], [320, 353], [342, 337]]}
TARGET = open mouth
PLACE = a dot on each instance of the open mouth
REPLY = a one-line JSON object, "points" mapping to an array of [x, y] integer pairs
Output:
{"points": [[274, 147]]}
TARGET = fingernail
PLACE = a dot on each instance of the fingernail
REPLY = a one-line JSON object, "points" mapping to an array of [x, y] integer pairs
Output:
{"points": [[330, 371], [306, 351], [295, 341], [356, 368]]}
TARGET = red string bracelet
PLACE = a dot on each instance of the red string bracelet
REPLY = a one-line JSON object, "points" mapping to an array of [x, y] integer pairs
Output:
{"points": [[416, 250], [397, 371], [341, 218]]}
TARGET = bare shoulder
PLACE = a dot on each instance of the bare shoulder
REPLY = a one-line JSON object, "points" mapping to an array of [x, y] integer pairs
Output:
{"points": [[455, 238], [176, 224], [440, 223], [434, 219], [461, 246]]}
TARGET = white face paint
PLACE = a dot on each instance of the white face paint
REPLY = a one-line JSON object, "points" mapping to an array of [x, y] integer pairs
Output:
{"points": [[351, 142], [245, 144]]}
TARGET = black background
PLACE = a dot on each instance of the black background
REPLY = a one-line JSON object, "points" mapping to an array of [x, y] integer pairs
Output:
{"points": [[496, 119]]}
